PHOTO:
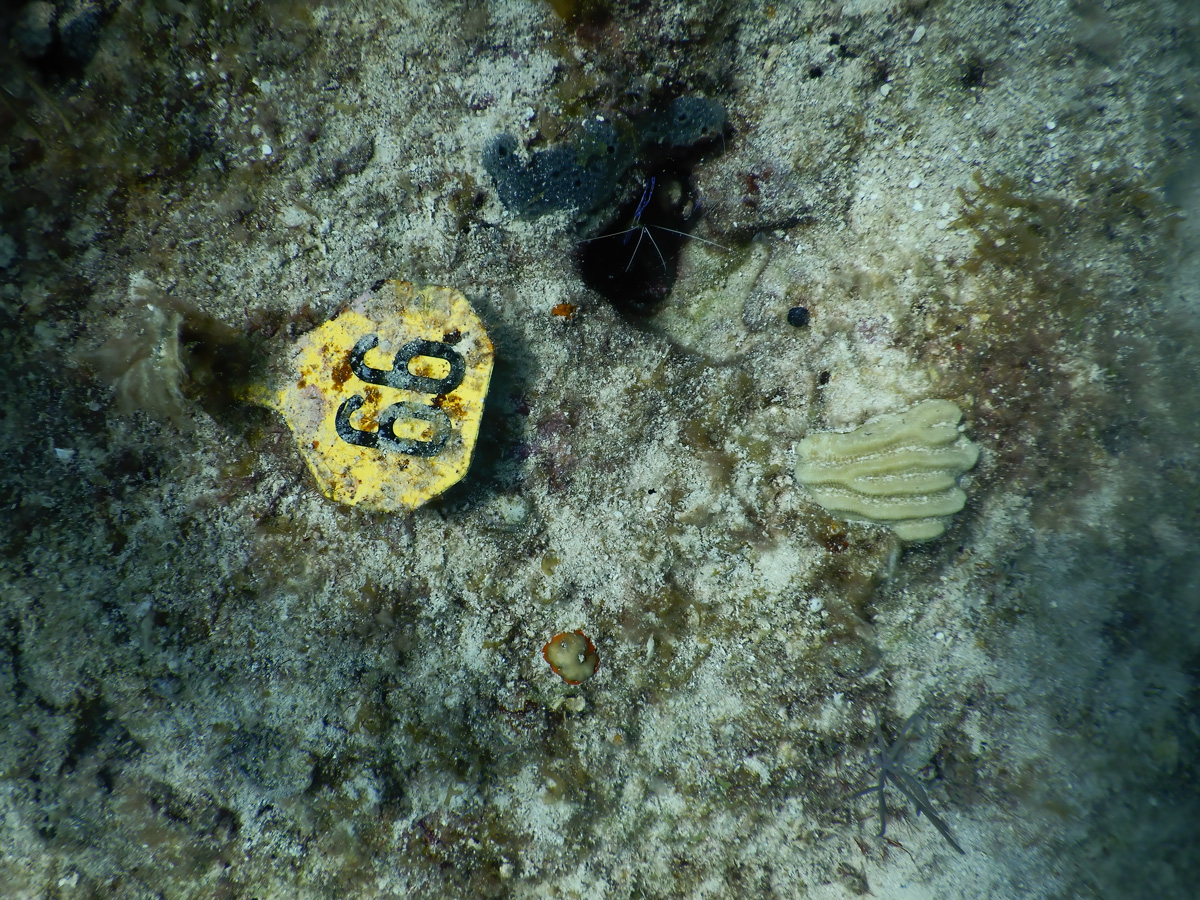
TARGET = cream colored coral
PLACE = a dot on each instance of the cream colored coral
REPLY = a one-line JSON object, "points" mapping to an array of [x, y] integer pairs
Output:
{"points": [[899, 469], [144, 362]]}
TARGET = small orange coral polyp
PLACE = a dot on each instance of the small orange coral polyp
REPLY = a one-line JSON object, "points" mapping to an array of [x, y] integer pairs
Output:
{"points": [[572, 656]]}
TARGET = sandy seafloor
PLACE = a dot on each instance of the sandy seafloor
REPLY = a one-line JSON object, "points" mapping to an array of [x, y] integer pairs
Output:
{"points": [[216, 683]]}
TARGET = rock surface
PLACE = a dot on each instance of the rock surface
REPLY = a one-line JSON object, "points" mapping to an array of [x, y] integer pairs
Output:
{"points": [[215, 682]]}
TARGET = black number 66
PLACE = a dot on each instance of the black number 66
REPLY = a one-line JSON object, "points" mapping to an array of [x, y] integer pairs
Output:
{"points": [[400, 377]]}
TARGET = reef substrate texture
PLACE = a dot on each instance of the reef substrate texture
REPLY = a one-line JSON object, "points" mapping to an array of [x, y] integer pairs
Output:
{"points": [[216, 683]]}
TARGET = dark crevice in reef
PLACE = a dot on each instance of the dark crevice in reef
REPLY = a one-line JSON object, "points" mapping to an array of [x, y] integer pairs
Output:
{"points": [[633, 260]]}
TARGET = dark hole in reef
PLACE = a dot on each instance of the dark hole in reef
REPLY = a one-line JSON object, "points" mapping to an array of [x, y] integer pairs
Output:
{"points": [[815, 71], [92, 722], [973, 73], [62, 52], [633, 260], [878, 72]]}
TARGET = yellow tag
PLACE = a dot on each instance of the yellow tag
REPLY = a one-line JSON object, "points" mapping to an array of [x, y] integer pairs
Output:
{"points": [[385, 398]]}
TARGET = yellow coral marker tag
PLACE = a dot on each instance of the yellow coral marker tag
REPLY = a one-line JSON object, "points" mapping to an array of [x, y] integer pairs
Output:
{"points": [[385, 398]]}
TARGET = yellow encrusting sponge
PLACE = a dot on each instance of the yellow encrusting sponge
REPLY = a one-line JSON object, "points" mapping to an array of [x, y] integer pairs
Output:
{"points": [[900, 470]]}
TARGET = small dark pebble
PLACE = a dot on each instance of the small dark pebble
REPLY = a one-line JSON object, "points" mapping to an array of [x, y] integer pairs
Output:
{"points": [[798, 316]]}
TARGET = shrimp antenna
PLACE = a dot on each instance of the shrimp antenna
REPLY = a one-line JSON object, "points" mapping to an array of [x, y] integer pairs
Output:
{"points": [[645, 201]]}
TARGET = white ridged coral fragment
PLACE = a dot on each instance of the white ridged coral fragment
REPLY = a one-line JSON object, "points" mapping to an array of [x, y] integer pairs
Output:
{"points": [[899, 470]]}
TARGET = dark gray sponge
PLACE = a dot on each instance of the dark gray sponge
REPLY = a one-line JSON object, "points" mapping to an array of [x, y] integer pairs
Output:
{"points": [[580, 175]]}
